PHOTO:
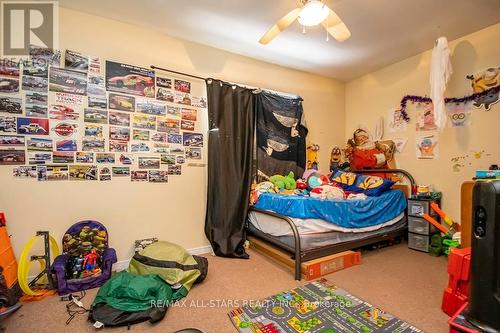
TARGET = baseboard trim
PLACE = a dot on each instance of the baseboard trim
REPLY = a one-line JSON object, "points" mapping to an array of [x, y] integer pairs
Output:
{"points": [[123, 264]]}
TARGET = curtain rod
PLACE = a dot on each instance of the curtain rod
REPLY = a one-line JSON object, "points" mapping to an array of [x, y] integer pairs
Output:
{"points": [[256, 89]]}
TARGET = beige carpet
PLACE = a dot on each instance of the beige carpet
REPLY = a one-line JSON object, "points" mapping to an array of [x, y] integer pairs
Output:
{"points": [[406, 283]]}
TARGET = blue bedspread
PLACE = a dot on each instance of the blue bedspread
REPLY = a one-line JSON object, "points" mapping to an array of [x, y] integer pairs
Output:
{"points": [[344, 213]]}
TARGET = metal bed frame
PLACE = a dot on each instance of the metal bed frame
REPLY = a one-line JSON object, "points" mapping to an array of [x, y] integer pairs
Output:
{"points": [[299, 255]]}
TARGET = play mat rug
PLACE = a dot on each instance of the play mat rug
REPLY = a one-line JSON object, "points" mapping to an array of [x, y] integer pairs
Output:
{"points": [[317, 307]]}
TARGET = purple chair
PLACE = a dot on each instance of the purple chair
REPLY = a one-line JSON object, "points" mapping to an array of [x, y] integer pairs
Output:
{"points": [[80, 239]]}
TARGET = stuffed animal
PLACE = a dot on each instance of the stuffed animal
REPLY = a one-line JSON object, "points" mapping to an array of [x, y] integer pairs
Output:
{"points": [[284, 182], [316, 180], [301, 184], [364, 153], [327, 192], [258, 189]]}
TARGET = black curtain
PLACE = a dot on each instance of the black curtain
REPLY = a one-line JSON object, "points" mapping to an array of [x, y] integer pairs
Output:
{"points": [[281, 136], [230, 143]]}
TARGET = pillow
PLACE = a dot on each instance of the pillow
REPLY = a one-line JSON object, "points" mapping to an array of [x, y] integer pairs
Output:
{"points": [[346, 180], [373, 185]]}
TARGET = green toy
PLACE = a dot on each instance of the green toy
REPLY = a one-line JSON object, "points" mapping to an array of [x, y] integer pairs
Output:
{"points": [[436, 245], [284, 182]]}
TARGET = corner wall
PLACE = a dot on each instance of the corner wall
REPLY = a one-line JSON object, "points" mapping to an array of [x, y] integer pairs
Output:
{"points": [[373, 95]]}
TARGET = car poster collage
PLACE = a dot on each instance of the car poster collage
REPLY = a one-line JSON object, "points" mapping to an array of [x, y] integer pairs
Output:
{"points": [[92, 121]]}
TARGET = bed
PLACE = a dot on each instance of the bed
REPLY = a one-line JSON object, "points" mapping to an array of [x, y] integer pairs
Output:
{"points": [[310, 229]]}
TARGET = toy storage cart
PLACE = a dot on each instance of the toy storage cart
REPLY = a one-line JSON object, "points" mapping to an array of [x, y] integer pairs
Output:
{"points": [[419, 230]]}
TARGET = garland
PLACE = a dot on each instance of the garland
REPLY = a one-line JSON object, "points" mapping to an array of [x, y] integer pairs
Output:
{"points": [[422, 99]]}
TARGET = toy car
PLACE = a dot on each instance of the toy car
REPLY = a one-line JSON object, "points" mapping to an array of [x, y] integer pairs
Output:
{"points": [[32, 128], [130, 80]]}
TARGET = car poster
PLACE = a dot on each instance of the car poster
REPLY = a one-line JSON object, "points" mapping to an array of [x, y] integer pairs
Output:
{"points": [[121, 102], [177, 150], [121, 171], [63, 112], [64, 129], [174, 170], [149, 162], [159, 147], [105, 158], [12, 157], [12, 140], [98, 102], [33, 83], [119, 133], [75, 60], [39, 157], [93, 144], [140, 135], [168, 125], [8, 124], [182, 86], [158, 176], [173, 111], [117, 146], [174, 138], [96, 86], [187, 125], [139, 176], [159, 137], [130, 79], [150, 107], [95, 116], [67, 81], [39, 144], [33, 110], [189, 114], [10, 68], [192, 139], [84, 157], [54, 172], [32, 126], [36, 98], [182, 98], [44, 56], [193, 153], [104, 173], [10, 105], [167, 159], [82, 172], [25, 172], [31, 69], [66, 145], [63, 157], [143, 121], [164, 94], [141, 147], [163, 82], [119, 118], [94, 65], [199, 102]]}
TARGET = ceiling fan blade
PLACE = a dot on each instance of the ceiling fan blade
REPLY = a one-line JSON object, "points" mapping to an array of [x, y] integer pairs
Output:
{"points": [[335, 27], [281, 25]]}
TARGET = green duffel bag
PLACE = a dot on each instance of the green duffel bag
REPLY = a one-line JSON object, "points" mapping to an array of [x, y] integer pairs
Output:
{"points": [[172, 263]]}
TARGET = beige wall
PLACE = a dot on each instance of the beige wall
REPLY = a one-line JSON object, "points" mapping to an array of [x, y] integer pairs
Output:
{"points": [[174, 211], [371, 96]]}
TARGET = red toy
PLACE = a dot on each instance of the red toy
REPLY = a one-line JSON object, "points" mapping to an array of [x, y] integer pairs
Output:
{"points": [[90, 263], [457, 292]]}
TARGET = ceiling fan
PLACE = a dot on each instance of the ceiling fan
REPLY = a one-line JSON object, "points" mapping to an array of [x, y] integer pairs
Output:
{"points": [[310, 13]]}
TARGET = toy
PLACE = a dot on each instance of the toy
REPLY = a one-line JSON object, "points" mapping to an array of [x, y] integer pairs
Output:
{"points": [[77, 267], [89, 263], [363, 153], [453, 226], [284, 182], [301, 184], [316, 180], [312, 156], [435, 223], [327, 192]]}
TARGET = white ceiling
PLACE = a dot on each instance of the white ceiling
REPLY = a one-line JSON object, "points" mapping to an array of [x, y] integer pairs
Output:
{"points": [[383, 31]]}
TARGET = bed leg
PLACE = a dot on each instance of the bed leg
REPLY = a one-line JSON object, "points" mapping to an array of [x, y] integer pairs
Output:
{"points": [[298, 264]]}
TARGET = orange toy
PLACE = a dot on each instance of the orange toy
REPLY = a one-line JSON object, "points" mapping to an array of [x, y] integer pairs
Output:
{"points": [[435, 223], [7, 257]]}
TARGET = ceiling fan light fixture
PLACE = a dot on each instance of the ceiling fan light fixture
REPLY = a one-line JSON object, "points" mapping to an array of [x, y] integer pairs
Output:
{"points": [[313, 13]]}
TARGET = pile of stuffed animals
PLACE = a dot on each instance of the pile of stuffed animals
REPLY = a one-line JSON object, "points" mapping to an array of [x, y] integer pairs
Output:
{"points": [[312, 183]]}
